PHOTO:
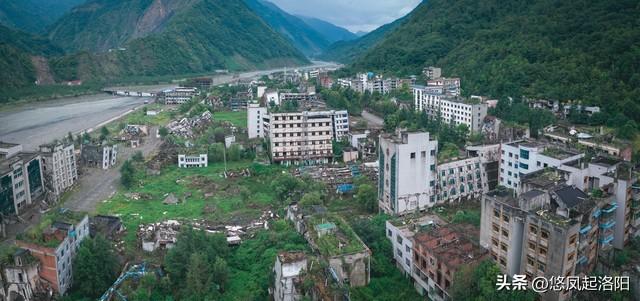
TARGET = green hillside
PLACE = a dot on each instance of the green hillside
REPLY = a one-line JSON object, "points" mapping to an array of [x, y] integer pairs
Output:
{"points": [[304, 37], [567, 50], [34, 15], [100, 25], [347, 51], [16, 50], [206, 35], [330, 32]]}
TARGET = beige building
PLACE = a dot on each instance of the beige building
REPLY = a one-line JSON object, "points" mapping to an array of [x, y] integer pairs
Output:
{"points": [[305, 137], [59, 166]]}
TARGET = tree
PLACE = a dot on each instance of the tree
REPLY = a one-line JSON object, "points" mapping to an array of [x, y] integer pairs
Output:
{"points": [[127, 172], [163, 132], [311, 198], [220, 272], [367, 197], [138, 156], [478, 283], [104, 131], [198, 277], [95, 267]]}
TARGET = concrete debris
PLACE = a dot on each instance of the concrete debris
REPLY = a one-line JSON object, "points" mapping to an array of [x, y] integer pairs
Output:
{"points": [[171, 200], [158, 235], [185, 127]]}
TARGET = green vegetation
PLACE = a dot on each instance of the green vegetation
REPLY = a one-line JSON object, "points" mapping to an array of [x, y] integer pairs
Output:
{"points": [[448, 135], [347, 51], [34, 15], [205, 36], [95, 267], [478, 283], [341, 239], [518, 112], [238, 119], [540, 49], [34, 233], [387, 282]]}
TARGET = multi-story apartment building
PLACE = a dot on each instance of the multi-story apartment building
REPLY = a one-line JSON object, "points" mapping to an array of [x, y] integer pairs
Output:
{"points": [[400, 232], [550, 229], [407, 168], [20, 279], [301, 137], [21, 179], [177, 96], [56, 248], [255, 120], [450, 86], [59, 166], [438, 254], [460, 179], [299, 97], [616, 178], [451, 109], [412, 179], [523, 157]]}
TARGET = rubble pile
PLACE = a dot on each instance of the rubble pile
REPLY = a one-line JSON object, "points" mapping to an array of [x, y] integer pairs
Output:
{"points": [[185, 127], [161, 235]]}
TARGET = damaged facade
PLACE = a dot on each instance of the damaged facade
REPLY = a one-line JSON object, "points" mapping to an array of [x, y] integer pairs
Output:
{"points": [[99, 156]]}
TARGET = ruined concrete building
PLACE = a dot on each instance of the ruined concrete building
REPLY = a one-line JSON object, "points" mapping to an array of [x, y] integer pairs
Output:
{"points": [[99, 156]]}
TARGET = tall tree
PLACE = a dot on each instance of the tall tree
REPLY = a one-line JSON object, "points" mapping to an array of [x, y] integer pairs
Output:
{"points": [[95, 267]]}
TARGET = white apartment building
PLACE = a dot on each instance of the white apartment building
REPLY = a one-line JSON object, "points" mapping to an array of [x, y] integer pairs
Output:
{"points": [[301, 137], [59, 166], [255, 120], [178, 95], [187, 161], [299, 97], [407, 168], [451, 109], [461, 179], [523, 157]]}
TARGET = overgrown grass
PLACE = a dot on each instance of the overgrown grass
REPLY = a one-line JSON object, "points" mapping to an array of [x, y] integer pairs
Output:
{"points": [[224, 205], [238, 119]]}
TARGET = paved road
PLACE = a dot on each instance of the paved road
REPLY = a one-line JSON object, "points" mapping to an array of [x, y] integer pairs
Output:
{"points": [[39, 123], [373, 120]]}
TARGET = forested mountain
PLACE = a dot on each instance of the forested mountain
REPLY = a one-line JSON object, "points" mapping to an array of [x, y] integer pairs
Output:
{"points": [[165, 37], [34, 15], [330, 32], [303, 36], [347, 51], [567, 50], [17, 49]]}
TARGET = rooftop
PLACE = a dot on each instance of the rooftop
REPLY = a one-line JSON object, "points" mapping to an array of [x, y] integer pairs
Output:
{"points": [[545, 178], [555, 219], [343, 240], [5, 165], [449, 246], [46, 233], [290, 257], [558, 153], [526, 143], [605, 161], [571, 196]]}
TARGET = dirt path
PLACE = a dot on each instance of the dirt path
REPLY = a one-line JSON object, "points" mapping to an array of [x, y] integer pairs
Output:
{"points": [[96, 185]]}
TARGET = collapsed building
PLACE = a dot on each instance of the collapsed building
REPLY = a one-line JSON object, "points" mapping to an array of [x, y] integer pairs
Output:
{"points": [[348, 258], [99, 156], [185, 127]]}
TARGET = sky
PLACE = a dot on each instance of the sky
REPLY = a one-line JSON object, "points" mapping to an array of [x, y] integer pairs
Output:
{"points": [[354, 15]]}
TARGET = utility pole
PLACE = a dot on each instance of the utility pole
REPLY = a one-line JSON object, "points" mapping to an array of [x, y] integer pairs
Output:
{"points": [[224, 155]]}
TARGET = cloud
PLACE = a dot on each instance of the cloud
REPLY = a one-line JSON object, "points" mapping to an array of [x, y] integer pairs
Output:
{"points": [[355, 15]]}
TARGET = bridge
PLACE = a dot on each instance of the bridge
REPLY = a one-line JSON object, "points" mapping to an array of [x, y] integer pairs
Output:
{"points": [[129, 93]]}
